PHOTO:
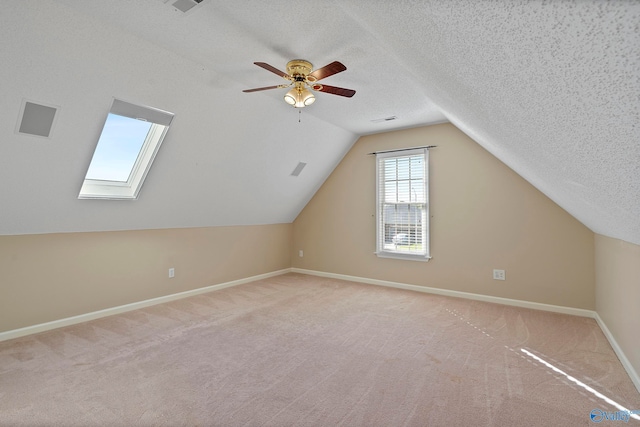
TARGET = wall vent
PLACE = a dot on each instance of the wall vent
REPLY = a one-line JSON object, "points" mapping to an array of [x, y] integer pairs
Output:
{"points": [[186, 5], [36, 119], [298, 169], [385, 119]]}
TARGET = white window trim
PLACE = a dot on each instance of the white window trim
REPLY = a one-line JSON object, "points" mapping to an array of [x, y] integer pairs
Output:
{"points": [[381, 252], [104, 189]]}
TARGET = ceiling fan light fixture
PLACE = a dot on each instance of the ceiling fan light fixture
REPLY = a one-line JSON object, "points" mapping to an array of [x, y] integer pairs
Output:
{"points": [[307, 97], [290, 97], [299, 97]]}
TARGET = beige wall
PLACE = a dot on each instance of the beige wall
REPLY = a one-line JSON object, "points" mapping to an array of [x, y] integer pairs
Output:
{"points": [[618, 293], [53, 276], [483, 216]]}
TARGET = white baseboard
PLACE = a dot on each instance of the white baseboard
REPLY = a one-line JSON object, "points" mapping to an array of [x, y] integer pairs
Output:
{"points": [[623, 359], [16, 333], [457, 294], [486, 298]]}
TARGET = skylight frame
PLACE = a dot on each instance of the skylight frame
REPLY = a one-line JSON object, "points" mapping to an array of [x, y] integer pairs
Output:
{"points": [[129, 190]]}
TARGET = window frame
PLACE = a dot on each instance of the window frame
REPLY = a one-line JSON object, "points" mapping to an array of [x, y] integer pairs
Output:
{"points": [[129, 190], [381, 251]]}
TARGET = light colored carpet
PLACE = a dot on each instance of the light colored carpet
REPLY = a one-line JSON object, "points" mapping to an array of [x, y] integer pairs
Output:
{"points": [[298, 350]]}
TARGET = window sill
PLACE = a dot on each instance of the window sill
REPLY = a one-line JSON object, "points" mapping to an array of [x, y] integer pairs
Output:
{"points": [[407, 257]]}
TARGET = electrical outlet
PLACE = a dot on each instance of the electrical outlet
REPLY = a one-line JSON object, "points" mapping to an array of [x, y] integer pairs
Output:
{"points": [[300, 253], [172, 273], [499, 275]]}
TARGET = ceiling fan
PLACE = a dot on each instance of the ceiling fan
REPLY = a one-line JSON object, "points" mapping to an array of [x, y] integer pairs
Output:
{"points": [[302, 79]]}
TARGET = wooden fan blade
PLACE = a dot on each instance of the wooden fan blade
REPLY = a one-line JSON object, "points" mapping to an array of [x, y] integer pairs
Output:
{"points": [[337, 90], [273, 69], [328, 70], [263, 88]]}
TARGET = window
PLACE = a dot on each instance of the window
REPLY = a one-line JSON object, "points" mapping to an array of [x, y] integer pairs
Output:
{"points": [[128, 143], [403, 204]]}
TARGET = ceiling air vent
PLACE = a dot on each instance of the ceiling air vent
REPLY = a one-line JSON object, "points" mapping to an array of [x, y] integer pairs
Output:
{"points": [[186, 5], [298, 169], [36, 119], [384, 119]]}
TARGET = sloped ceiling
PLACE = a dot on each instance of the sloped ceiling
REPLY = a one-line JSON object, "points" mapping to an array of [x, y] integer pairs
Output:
{"points": [[550, 88]]}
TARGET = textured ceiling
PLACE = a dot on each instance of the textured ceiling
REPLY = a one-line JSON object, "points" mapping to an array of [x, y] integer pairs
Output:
{"points": [[550, 88]]}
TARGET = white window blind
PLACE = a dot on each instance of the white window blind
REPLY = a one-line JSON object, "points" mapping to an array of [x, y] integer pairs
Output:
{"points": [[403, 204]]}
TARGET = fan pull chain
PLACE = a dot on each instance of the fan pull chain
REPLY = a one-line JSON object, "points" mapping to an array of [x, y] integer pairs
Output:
{"points": [[299, 114]]}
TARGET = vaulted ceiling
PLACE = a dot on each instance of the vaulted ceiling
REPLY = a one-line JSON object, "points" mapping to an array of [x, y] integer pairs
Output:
{"points": [[550, 88]]}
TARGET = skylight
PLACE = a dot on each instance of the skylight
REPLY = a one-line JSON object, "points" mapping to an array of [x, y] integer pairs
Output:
{"points": [[128, 143], [118, 148]]}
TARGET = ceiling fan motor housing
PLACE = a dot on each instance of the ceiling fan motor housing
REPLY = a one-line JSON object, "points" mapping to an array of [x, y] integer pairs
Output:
{"points": [[300, 68]]}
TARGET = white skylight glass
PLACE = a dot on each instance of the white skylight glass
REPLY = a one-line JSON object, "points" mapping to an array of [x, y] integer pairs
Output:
{"points": [[128, 143], [118, 148]]}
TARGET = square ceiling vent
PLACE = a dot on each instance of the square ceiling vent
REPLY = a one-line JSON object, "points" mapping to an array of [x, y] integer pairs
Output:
{"points": [[36, 119]]}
